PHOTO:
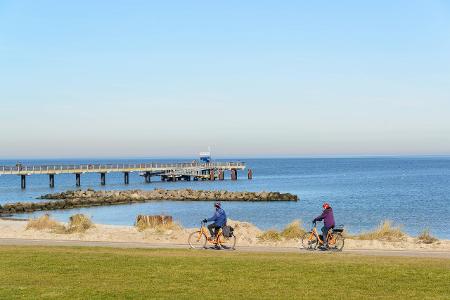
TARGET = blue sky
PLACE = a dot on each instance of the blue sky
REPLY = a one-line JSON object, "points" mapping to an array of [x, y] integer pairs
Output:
{"points": [[248, 78]]}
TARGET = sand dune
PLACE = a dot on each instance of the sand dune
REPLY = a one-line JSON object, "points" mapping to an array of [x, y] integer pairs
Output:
{"points": [[246, 234]]}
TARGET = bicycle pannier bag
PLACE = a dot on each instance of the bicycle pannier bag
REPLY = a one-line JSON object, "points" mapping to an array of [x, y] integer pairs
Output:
{"points": [[227, 231]]}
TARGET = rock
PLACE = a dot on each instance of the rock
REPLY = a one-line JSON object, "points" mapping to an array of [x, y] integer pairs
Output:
{"points": [[80, 198]]}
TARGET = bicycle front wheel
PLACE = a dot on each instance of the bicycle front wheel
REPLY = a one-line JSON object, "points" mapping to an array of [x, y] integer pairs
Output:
{"points": [[338, 242], [309, 241], [197, 240], [227, 243]]}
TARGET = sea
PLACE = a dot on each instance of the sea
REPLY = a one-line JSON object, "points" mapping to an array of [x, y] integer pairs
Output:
{"points": [[412, 192]]}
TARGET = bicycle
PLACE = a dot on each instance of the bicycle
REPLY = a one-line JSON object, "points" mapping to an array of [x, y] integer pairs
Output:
{"points": [[335, 239], [199, 238]]}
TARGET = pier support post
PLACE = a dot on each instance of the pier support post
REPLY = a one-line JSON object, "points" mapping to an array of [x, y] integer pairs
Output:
{"points": [[211, 175], [102, 178], [23, 181], [51, 180], [250, 174], [78, 179], [221, 174], [233, 174], [147, 177], [126, 177]]}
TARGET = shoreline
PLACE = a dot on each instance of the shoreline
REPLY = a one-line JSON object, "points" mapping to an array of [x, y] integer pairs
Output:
{"points": [[246, 234]]}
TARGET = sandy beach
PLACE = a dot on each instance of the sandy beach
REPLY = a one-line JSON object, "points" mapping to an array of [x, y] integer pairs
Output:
{"points": [[246, 234]]}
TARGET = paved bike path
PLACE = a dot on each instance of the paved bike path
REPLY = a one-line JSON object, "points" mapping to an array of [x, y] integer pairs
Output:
{"points": [[375, 252]]}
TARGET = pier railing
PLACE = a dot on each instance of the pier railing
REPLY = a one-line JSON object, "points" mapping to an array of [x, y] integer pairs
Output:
{"points": [[105, 168]]}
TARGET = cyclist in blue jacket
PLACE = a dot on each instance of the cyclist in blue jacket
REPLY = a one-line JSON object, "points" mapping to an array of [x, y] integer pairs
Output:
{"points": [[219, 218]]}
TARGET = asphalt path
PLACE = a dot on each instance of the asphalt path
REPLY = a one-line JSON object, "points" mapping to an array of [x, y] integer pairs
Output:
{"points": [[138, 245]]}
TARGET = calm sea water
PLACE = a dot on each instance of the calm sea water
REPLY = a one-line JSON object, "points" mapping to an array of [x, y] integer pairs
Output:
{"points": [[413, 192]]}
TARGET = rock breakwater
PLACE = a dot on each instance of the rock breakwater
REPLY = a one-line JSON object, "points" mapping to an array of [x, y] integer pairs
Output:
{"points": [[88, 198]]}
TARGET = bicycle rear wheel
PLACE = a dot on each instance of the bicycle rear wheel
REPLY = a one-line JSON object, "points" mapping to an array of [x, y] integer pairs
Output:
{"points": [[338, 244], [309, 241], [227, 243], [197, 240]]}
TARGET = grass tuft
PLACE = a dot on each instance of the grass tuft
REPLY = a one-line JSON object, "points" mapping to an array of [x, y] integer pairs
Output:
{"points": [[79, 223], [426, 238], [293, 231], [385, 232], [270, 235], [44, 223], [160, 228]]}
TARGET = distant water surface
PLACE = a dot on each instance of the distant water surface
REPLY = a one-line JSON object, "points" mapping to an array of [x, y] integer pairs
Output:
{"points": [[412, 191]]}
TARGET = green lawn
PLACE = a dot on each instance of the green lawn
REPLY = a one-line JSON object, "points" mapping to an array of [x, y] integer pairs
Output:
{"points": [[98, 273]]}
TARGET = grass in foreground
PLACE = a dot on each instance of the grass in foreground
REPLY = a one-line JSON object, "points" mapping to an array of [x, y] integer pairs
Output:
{"points": [[99, 273]]}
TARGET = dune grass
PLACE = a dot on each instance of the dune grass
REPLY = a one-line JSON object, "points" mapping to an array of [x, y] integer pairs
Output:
{"points": [[45, 223], [386, 231], [78, 223], [270, 235], [106, 273], [159, 228], [293, 230], [425, 237]]}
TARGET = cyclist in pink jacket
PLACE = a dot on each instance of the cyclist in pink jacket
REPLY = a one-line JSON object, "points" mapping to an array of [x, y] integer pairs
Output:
{"points": [[328, 222]]}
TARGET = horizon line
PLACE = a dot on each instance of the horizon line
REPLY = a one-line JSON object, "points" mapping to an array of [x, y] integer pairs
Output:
{"points": [[227, 157]]}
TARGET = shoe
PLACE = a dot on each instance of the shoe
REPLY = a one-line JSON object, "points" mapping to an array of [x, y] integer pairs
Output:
{"points": [[323, 247]]}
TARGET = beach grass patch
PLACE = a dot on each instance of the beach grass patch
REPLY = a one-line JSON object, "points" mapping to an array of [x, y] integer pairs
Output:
{"points": [[425, 237], [294, 230], [79, 223], [270, 235], [386, 231], [43, 223], [158, 224]]}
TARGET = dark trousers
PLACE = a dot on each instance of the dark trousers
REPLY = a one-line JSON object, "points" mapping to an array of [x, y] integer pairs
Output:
{"points": [[212, 227], [324, 234]]}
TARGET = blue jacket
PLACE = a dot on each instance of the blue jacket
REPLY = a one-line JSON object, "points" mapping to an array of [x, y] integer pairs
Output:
{"points": [[219, 218]]}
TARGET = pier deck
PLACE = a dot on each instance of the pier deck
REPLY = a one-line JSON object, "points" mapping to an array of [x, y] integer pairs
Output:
{"points": [[167, 171]]}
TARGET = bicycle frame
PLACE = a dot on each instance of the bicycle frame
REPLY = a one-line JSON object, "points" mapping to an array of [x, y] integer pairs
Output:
{"points": [[330, 237], [205, 231]]}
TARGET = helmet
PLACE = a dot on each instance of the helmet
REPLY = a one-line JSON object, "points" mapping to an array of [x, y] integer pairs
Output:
{"points": [[217, 204], [326, 205]]}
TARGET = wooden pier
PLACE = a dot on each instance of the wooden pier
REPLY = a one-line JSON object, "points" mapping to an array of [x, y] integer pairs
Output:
{"points": [[167, 171]]}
